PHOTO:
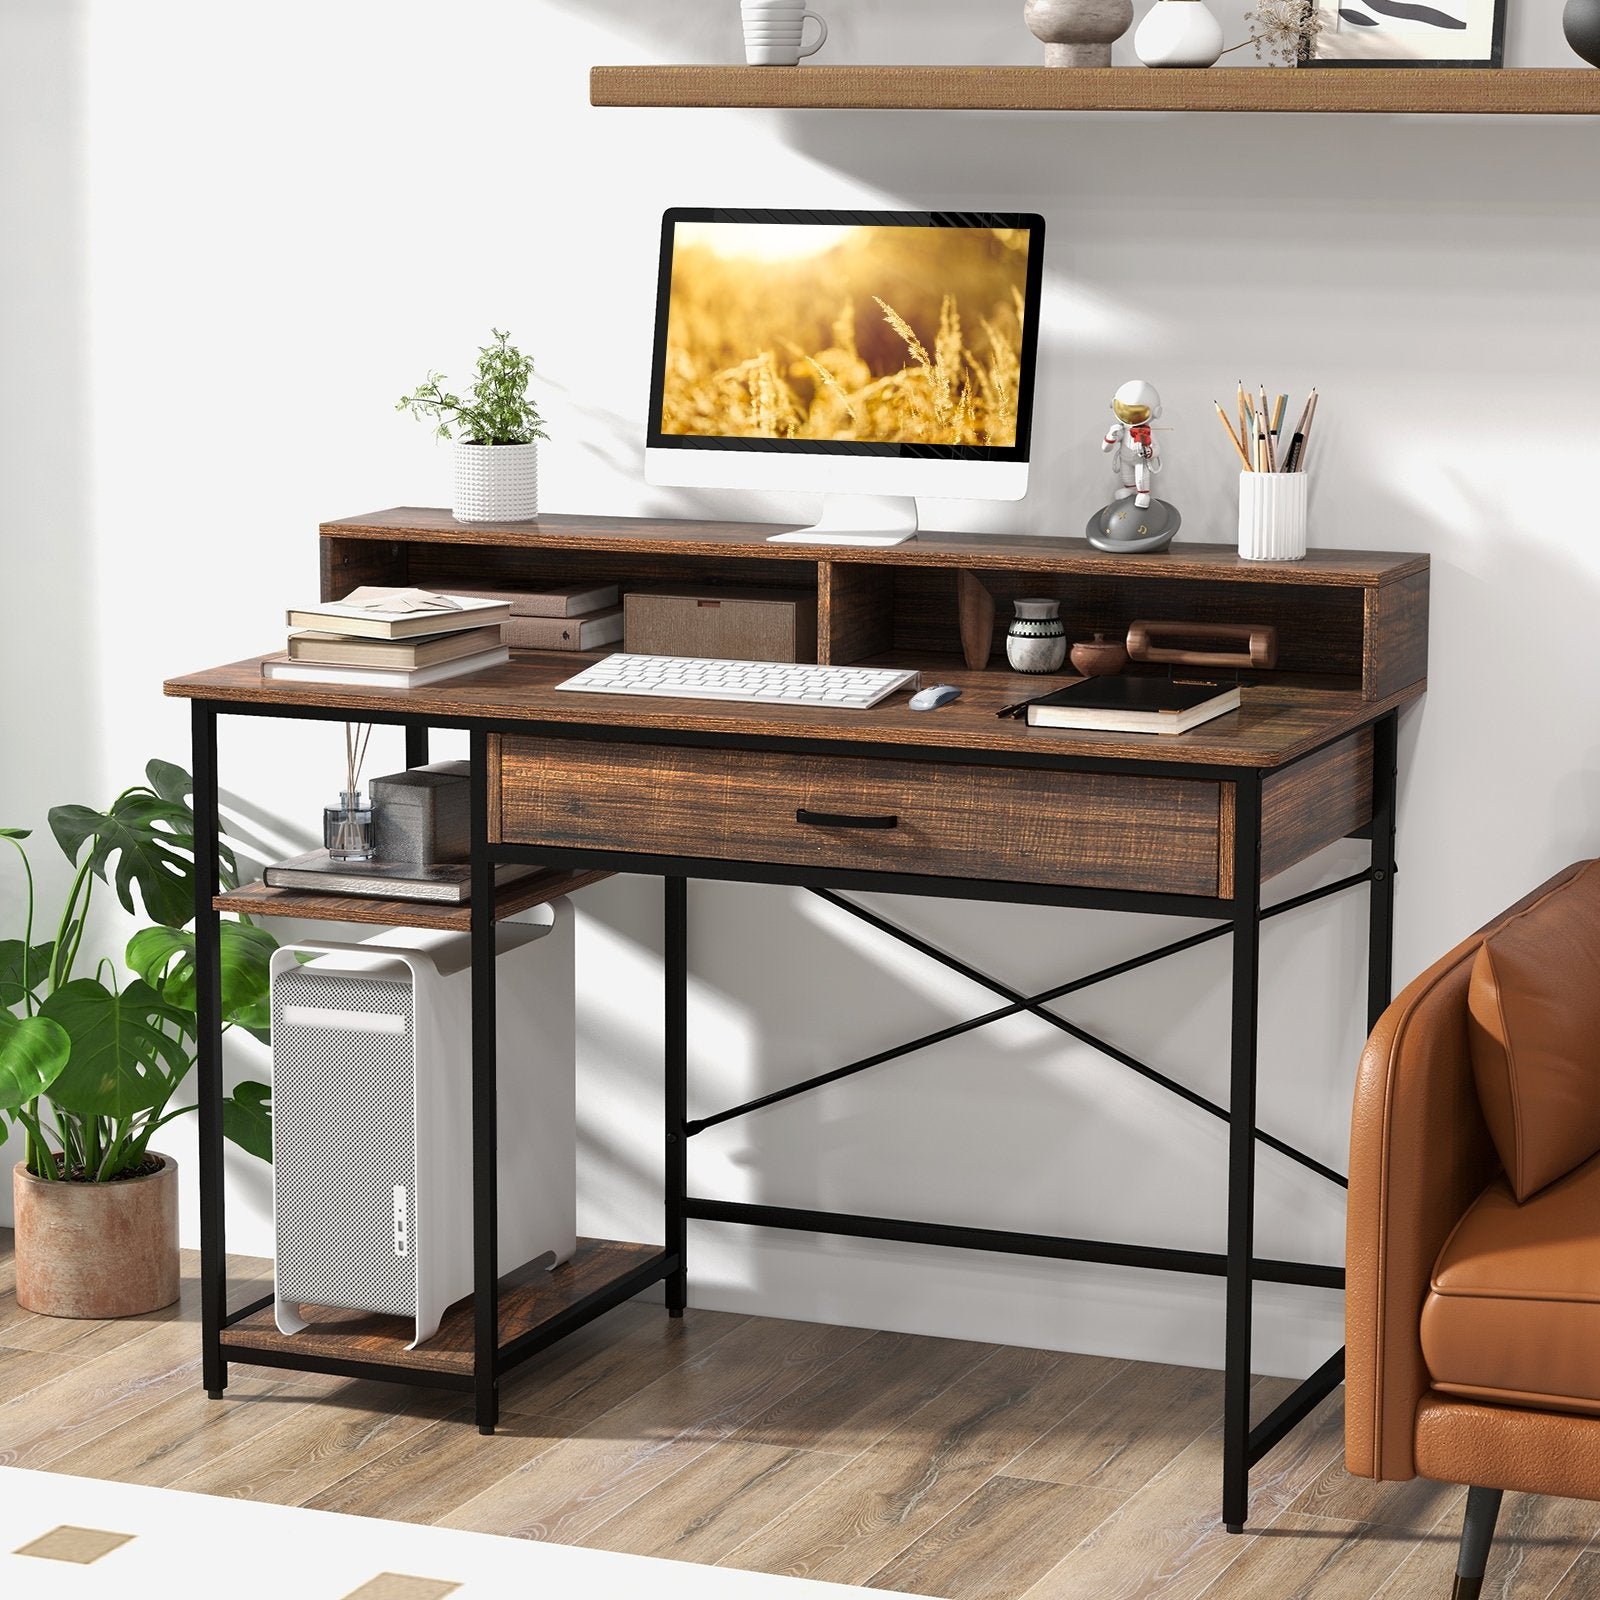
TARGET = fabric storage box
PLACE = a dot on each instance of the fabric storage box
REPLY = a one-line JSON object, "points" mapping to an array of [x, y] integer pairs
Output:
{"points": [[423, 816]]}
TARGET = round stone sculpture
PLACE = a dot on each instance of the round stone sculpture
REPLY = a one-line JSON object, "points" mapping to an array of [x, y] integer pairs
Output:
{"points": [[1129, 530], [1078, 33], [1581, 24]]}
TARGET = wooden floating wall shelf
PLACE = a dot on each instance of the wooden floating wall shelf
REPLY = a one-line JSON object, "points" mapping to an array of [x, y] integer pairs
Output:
{"points": [[1426, 91]]}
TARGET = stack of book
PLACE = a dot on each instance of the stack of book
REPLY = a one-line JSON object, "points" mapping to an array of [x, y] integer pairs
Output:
{"points": [[391, 638], [571, 616]]}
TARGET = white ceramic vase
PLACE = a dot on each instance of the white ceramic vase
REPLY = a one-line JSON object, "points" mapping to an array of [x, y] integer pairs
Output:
{"points": [[496, 482], [1036, 641], [1178, 33]]}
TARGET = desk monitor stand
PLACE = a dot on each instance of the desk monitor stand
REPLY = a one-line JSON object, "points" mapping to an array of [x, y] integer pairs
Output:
{"points": [[862, 519]]}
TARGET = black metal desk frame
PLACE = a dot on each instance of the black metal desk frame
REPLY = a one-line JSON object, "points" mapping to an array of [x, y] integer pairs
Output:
{"points": [[1240, 915]]}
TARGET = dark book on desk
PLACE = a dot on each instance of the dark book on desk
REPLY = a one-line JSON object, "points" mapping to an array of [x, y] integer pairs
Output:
{"points": [[450, 882], [1133, 705], [280, 669]]}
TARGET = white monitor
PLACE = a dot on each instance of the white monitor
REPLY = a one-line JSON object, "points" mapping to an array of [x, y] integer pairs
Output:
{"points": [[869, 356]]}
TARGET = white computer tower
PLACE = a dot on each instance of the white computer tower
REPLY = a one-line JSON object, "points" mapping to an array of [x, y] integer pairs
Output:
{"points": [[372, 1116]]}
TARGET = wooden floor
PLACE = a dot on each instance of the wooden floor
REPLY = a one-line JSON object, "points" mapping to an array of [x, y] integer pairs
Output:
{"points": [[934, 1466]]}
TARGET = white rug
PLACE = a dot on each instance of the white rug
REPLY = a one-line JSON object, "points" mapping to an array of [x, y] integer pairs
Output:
{"points": [[68, 1537]]}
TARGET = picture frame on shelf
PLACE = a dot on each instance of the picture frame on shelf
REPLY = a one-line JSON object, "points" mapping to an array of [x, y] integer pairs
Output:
{"points": [[1410, 33]]}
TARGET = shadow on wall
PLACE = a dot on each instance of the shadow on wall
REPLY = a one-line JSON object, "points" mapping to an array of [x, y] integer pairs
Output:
{"points": [[51, 713]]}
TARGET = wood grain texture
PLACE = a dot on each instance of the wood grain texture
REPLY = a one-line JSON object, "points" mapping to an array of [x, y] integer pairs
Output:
{"points": [[257, 900], [975, 611], [1325, 797], [1274, 724], [525, 1303], [866, 1394], [855, 612], [576, 539], [569, 1491], [1166, 1540], [1314, 1558], [1445, 91], [611, 1358], [1537, 1540], [1127, 1431], [999, 1541], [902, 1486], [719, 1500], [696, 1444], [1008, 824], [1397, 635]]}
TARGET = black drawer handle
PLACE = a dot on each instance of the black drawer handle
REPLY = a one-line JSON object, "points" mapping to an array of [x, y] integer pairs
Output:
{"points": [[835, 819]]}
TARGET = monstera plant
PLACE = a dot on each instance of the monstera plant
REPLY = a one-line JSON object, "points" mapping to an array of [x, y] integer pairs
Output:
{"points": [[93, 1057]]}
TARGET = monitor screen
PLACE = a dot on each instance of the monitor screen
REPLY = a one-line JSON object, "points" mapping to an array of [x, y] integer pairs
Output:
{"points": [[905, 334]]}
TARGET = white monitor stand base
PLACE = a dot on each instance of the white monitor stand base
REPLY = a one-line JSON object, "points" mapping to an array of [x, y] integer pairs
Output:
{"points": [[858, 519]]}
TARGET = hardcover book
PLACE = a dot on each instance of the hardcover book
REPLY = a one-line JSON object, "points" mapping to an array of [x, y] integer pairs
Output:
{"points": [[280, 668], [448, 881], [1133, 705]]}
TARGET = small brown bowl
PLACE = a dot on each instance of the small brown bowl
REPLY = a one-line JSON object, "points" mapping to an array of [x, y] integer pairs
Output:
{"points": [[1100, 657]]}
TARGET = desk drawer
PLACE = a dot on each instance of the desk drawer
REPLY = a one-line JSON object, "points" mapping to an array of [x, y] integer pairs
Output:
{"points": [[1022, 824]]}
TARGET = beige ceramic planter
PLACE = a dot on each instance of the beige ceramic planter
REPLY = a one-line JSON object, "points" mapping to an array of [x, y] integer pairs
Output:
{"points": [[97, 1249]]}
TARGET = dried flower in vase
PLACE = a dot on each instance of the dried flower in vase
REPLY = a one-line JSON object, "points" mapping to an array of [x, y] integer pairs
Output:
{"points": [[1285, 29]]}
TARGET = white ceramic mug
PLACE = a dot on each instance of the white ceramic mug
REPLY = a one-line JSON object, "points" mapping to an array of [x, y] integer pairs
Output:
{"points": [[773, 30]]}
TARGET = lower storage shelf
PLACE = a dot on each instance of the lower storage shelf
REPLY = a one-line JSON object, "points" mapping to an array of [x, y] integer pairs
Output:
{"points": [[602, 1272]]}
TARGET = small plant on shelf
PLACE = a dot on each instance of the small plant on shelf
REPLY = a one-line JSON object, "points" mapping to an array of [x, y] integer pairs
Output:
{"points": [[495, 430]]}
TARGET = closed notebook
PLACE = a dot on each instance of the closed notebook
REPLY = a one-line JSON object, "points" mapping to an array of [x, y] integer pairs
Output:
{"points": [[565, 633], [559, 600], [447, 881], [368, 621], [334, 649], [280, 669], [1133, 705]]}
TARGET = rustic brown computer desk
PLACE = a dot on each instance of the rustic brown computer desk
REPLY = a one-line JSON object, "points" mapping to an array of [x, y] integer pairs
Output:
{"points": [[954, 802]]}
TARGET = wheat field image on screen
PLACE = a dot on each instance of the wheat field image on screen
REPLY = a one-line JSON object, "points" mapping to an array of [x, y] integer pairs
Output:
{"points": [[879, 334]]}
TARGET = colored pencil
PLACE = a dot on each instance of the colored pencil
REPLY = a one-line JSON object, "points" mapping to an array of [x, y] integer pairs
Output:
{"points": [[1233, 438]]}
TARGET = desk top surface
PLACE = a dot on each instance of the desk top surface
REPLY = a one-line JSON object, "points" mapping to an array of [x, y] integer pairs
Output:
{"points": [[1275, 723]]}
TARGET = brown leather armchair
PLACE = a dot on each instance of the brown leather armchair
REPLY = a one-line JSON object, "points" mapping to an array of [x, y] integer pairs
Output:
{"points": [[1473, 1248]]}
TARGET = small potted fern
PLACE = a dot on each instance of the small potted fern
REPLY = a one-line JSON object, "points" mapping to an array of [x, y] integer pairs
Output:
{"points": [[497, 458]]}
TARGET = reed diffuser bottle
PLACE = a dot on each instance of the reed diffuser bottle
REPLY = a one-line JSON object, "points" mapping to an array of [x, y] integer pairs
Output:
{"points": [[347, 827]]}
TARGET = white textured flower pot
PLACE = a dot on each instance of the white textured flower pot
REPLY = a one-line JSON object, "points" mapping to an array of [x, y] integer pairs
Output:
{"points": [[496, 482], [1178, 33]]}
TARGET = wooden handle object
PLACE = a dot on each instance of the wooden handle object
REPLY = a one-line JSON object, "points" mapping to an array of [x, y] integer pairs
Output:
{"points": [[1259, 641]]}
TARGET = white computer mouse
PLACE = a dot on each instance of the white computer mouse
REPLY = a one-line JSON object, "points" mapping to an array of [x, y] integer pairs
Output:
{"points": [[934, 696]]}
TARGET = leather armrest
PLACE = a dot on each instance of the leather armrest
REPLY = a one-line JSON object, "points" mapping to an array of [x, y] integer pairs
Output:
{"points": [[1420, 1153]]}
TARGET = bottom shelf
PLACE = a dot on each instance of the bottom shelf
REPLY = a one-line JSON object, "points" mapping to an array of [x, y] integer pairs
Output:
{"points": [[529, 1299]]}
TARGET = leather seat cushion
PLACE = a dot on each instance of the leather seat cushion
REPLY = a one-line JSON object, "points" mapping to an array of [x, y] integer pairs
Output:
{"points": [[1534, 1032], [1513, 1310]]}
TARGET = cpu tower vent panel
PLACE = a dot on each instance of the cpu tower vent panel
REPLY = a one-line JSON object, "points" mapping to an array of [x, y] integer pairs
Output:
{"points": [[372, 1098]]}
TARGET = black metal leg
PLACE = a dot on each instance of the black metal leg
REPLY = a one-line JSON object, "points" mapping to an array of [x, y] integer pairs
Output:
{"points": [[1477, 1534], [1380, 934], [485, 1136], [208, 1051], [416, 744], [1242, 1151], [676, 964]]}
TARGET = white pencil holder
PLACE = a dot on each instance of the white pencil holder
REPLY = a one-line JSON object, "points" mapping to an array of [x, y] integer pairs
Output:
{"points": [[1272, 515]]}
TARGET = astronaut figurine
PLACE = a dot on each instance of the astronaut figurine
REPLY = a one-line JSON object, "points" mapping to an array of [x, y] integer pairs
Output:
{"points": [[1135, 405], [1134, 522]]}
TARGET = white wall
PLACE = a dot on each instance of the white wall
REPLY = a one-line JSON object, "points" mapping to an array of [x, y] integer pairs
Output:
{"points": [[232, 238]]}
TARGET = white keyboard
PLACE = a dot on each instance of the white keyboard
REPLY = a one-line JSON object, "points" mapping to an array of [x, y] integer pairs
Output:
{"points": [[775, 683]]}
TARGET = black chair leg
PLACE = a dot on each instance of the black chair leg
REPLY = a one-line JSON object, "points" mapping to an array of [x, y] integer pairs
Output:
{"points": [[1477, 1534]]}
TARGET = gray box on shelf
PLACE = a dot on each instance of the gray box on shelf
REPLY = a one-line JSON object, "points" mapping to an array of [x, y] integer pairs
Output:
{"points": [[423, 816]]}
